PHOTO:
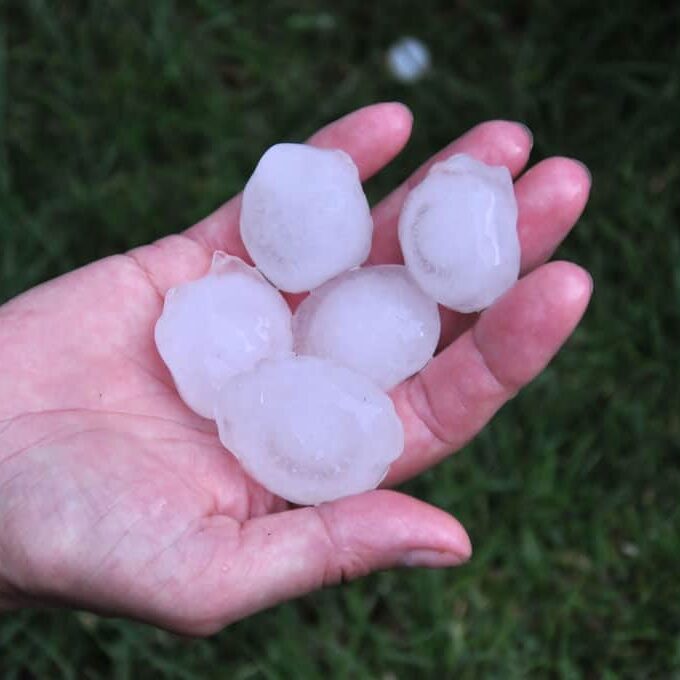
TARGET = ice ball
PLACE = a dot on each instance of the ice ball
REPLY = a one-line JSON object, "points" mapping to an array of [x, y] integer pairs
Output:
{"points": [[408, 59], [218, 326], [308, 429], [304, 216], [458, 233], [375, 320]]}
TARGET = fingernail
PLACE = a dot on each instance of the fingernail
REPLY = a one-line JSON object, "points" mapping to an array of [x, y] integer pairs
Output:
{"points": [[529, 133], [432, 559]]}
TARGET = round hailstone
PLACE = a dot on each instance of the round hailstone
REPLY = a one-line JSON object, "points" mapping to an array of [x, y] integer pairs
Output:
{"points": [[218, 326], [374, 320], [308, 429], [408, 59], [458, 233], [304, 216]]}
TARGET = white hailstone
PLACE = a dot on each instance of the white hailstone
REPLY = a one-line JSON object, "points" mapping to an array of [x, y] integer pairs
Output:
{"points": [[308, 429], [304, 216], [458, 233], [408, 59], [375, 320], [218, 326]]}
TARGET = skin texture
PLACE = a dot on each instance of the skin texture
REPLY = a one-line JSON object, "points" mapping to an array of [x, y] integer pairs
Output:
{"points": [[114, 497]]}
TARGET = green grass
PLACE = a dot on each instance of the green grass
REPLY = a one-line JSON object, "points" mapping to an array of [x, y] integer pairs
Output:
{"points": [[122, 121]]}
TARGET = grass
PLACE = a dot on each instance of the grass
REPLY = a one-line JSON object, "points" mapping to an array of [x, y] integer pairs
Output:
{"points": [[122, 121]]}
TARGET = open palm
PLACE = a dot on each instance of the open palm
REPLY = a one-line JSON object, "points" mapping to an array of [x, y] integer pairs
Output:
{"points": [[116, 498]]}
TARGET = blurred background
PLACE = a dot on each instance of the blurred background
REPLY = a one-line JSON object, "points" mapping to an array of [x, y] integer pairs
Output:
{"points": [[121, 121]]}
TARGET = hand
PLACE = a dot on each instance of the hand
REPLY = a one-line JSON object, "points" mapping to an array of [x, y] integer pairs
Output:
{"points": [[114, 497]]}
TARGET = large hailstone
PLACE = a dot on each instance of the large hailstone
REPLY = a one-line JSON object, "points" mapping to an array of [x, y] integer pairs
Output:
{"points": [[308, 429], [218, 326], [458, 233], [304, 216], [375, 320]]}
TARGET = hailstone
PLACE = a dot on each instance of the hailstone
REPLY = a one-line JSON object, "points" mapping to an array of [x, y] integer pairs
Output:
{"points": [[408, 59], [218, 326], [375, 320], [458, 233], [308, 429], [304, 216]]}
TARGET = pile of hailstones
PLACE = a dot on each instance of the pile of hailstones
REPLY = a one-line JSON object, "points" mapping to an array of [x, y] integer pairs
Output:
{"points": [[300, 399]]}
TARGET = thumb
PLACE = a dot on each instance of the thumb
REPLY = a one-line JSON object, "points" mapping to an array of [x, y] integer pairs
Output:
{"points": [[285, 555]]}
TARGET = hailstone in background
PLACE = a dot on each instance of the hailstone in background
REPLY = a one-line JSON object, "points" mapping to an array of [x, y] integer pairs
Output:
{"points": [[304, 216], [308, 429], [218, 326], [408, 59], [375, 320], [458, 233]]}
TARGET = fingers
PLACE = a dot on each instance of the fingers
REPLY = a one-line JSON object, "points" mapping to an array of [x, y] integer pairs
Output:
{"points": [[373, 136], [550, 197], [285, 555], [496, 142], [460, 390]]}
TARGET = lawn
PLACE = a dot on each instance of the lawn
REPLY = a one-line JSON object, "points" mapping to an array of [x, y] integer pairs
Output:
{"points": [[121, 121]]}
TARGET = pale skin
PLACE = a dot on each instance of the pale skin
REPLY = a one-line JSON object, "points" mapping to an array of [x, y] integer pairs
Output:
{"points": [[114, 497]]}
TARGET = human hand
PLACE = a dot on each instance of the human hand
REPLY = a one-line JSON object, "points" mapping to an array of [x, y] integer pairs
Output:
{"points": [[116, 498]]}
